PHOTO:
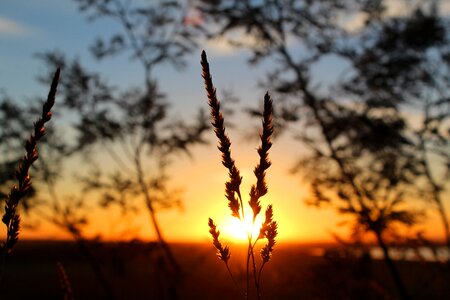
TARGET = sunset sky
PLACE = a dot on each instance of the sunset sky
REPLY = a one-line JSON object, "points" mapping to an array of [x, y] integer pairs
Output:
{"points": [[30, 27]]}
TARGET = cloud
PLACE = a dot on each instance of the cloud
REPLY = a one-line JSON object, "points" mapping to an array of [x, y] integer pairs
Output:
{"points": [[399, 8], [353, 22], [228, 45], [220, 46], [444, 8], [223, 47], [12, 28]]}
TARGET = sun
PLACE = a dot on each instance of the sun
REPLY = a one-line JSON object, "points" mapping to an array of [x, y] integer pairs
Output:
{"points": [[237, 230]]}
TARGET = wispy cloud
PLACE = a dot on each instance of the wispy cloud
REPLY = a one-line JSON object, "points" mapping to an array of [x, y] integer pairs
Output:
{"points": [[394, 8], [228, 45], [399, 8], [445, 8], [219, 46], [353, 23], [10, 28]]}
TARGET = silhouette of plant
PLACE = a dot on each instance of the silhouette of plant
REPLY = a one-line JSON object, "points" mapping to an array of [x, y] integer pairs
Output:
{"points": [[136, 121], [130, 127], [404, 62], [133, 126], [268, 229], [364, 157], [11, 216], [64, 281]]}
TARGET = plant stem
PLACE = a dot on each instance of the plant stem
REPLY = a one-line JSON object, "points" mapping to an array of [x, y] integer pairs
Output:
{"points": [[436, 192], [258, 293], [251, 255], [247, 273], [104, 283], [259, 273], [232, 277], [392, 268], [151, 209]]}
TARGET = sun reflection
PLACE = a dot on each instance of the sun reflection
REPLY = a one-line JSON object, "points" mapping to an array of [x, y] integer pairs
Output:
{"points": [[237, 230]]}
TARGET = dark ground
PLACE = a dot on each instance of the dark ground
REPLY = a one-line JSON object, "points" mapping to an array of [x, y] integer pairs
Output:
{"points": [[135, 272]]}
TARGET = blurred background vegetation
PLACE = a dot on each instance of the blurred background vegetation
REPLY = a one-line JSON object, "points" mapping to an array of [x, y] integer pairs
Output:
{"points": [[362, 102]]}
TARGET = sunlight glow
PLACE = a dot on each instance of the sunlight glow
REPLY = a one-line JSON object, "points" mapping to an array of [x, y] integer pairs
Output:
{"points": [[237, 231]]}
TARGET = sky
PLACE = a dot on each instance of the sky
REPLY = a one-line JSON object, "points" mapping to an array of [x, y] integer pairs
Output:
{"points": [[31, 27]]}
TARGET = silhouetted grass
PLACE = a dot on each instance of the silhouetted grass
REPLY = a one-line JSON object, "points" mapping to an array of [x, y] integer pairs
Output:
{"points": [[268, 230], [11, 217]]}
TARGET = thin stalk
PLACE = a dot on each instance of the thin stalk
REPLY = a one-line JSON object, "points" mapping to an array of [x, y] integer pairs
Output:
{"points": [[437, 200], [232, 277], [247, 272], [254, 272], [259, 273], [436, 189], [392, 268], [251, 255], [174, 266], [96, 268], [11, 217], [149, 203]]}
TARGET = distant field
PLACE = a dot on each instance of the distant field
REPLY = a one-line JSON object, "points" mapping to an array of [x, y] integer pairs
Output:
{"points": [[295, 272]]}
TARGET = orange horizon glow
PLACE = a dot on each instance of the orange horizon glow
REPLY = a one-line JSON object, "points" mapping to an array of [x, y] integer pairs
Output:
{"points": [[203, 182]]}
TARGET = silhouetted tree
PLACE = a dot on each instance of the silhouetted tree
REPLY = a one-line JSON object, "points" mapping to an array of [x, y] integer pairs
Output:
{"points": [[137, 119], [126, 136], [405, 62], [366, 156]]}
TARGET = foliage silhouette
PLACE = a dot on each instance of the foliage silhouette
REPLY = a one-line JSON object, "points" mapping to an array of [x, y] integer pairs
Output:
{"points": [[132, 126], [365, 158]]}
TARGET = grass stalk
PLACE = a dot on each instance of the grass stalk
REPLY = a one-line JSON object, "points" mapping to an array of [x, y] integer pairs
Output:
{"points": [[11, 216], [268, 230], [64, 282]]}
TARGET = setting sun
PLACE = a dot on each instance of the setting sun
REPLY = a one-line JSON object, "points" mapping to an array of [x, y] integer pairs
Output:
{"points": [[236, 230]]}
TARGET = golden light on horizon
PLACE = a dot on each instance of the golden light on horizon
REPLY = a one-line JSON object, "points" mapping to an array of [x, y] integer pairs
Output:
{"points": [[237, 230]]}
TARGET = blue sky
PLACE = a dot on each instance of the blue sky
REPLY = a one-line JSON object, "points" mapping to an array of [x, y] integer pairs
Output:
{"points": [[30, 27]]}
